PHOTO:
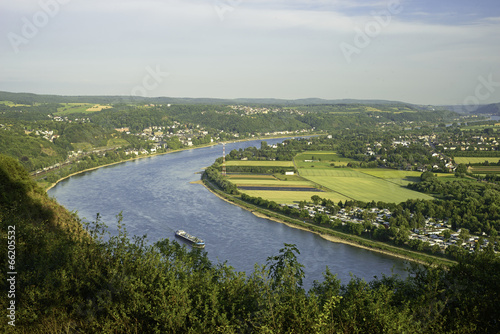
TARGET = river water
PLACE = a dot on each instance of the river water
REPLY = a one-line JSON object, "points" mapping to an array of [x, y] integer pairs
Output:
{"points": [[156, 197]]}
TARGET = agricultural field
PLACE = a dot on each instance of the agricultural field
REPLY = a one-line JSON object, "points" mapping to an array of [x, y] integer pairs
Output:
{"points": [[271, 183], [318, 177], [476, 160], [321, 159], [290, 197], [387, 186], [399, 177], [259, 163], [485, 169], [79, 108], [84, 146], [98, 107], [12, 104], [113, 142], [281, 189], [234, 177]]}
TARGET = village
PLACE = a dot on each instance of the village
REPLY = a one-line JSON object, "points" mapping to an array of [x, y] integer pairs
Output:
{"points": [[435, 234]]}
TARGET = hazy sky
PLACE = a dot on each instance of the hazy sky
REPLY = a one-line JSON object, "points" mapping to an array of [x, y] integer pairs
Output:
{"points": [[424, 52]]}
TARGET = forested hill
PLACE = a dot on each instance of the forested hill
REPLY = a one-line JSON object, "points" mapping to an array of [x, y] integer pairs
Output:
{"points": [[30, 98], [490, 109], [62, 278]]}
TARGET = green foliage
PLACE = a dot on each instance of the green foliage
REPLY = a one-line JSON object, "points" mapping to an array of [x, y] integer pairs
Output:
{"points": [[426, 176]]}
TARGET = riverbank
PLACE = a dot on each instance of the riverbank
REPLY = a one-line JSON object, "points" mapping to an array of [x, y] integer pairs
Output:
{"points": [[337, 238], [168, 152]]}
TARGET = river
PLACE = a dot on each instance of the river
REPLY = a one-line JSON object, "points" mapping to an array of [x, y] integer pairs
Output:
{"points": [[156, 197]]}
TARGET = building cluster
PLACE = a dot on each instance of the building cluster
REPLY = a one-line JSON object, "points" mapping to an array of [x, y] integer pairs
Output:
{"points": [[160, 134], [432, 233], [473, 143], [45, 134], [246, 110]]}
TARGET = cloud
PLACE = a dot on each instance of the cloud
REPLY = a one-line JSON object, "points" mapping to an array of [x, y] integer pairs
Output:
{"points": [[256, 48]]}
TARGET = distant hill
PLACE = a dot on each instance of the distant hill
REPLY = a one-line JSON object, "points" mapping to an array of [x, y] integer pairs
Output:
{"points": [[490, 109], [29, 98]]}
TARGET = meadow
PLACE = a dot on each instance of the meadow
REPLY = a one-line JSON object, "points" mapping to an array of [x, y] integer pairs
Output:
{"points": [[259, 163], [363, 184], [367, 184], [290, 197], [399, 177], [320, 159], [12, 104], [476, 160], [486, 169], [79, 108], [279, 196]]}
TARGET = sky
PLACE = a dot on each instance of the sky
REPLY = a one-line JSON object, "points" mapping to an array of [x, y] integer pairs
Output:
{"points": [[436, 52]]}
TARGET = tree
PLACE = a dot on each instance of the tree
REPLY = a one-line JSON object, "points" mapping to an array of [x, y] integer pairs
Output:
{"points": [[446, 234], [427, 176], [321, 218], [316, 199], [464, 235], [284, 269], [461, 170]]}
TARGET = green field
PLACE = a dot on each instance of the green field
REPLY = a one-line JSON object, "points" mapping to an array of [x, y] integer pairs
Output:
{"points": [[362, 186], [12, 104], [259, 163], [270, 182], [399, 177], [320, 159], [117, 142], [486, 169], [289, 197], [282, 196], [250, 176], [332, 172], [476, 160], [79, 108]]}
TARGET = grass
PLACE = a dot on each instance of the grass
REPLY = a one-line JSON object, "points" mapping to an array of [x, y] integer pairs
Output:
{"points": [[264, 163], [333, 172], [269, 182], [342, 183], [367, 184], [250, 176], [400, 177], [476, 160], [84, 146], [79, 108], [370, 184], [368, 189], [289, 197], [321, 159], [12, 104], [279, 181], [486, 170], [117, 142]]}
